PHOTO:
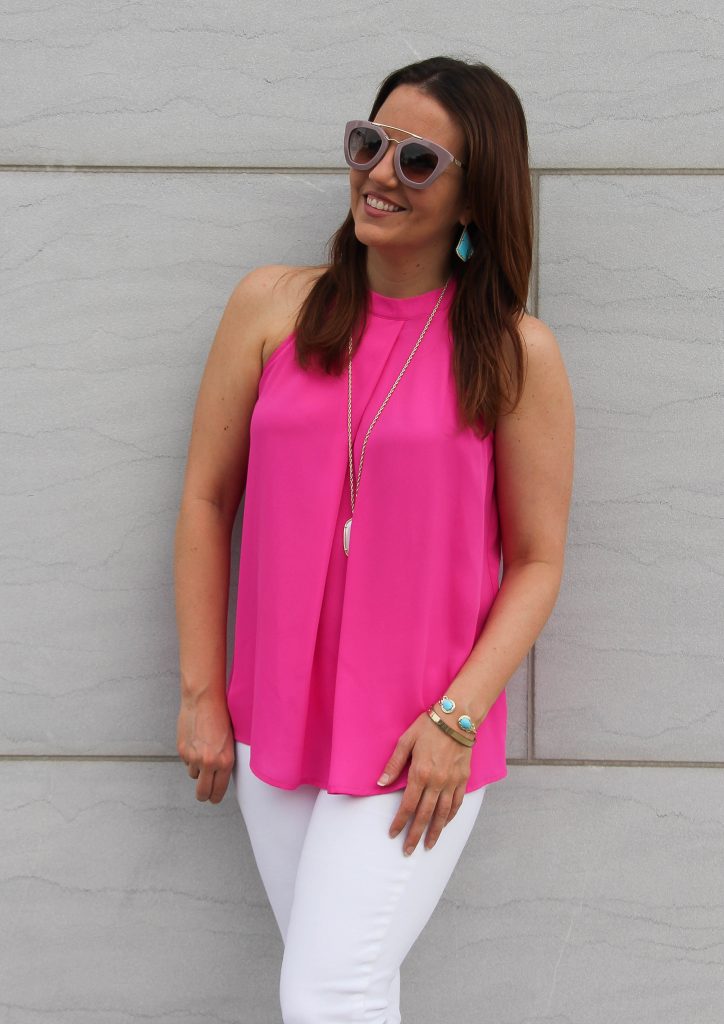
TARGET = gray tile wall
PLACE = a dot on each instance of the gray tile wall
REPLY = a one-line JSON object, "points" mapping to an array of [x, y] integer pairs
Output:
{"points": [[151, 154]]}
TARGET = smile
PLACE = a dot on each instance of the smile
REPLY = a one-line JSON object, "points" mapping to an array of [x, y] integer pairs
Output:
{"points": [[377, 204]]}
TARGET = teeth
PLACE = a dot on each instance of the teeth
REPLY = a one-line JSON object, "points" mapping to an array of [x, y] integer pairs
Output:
{"points": [[379, 205]]}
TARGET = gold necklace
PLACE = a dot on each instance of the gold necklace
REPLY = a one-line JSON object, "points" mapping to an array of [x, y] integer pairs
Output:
{"points": [[352, 488]]}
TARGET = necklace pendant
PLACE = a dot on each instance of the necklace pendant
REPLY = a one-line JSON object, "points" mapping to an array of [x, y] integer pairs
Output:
{"points": [[345, 535]]}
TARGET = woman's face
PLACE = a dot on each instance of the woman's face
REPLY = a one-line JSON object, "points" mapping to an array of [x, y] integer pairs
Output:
{"points": [[425, 223]]}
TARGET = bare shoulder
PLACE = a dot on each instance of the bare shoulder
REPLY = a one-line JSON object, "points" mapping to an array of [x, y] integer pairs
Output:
{"points": [[545, 376], [259, 307], [537, 334], [278, 293]]}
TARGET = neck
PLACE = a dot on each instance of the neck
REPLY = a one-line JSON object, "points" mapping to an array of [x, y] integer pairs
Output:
{"points": [[400, 277]]}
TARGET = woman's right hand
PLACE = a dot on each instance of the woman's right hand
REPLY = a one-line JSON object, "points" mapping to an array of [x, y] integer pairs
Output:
{"points": [[205, 743]]}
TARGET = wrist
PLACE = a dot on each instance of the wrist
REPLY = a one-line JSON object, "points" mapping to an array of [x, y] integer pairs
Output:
{"points": [[202, 692], [469, 703]]}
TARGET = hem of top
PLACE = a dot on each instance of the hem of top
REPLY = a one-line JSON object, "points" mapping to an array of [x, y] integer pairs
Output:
{"points": [[378, 790]]}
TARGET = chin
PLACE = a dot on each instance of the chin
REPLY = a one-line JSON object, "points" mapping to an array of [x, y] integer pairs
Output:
{"points": [[374, 240]]}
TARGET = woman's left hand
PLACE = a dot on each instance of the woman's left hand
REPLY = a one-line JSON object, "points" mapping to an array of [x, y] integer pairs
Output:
{"points": [[436, 780]]}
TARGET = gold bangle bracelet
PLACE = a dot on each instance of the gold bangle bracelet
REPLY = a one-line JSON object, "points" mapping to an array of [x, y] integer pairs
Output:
{"points": [[467, 741]]}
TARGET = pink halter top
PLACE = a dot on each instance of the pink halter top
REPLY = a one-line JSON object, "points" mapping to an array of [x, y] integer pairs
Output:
{"points": [[336, 655]]}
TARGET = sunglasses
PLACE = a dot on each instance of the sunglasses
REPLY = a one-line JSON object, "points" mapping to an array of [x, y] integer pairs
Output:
{"points": [[418, 162]]}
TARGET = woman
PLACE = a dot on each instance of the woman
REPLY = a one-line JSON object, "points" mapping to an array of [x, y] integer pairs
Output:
{"points": [[380, 648]]}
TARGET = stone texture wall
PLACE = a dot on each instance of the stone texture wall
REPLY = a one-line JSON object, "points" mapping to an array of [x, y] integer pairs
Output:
{"points": [[153, 153]]}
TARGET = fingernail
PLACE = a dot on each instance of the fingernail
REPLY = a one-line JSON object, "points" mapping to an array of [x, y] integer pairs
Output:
{"points": [[407, 852], [383, 780]]}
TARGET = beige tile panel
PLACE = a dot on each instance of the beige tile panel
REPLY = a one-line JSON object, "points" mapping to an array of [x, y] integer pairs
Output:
{"points": [[114, 288], [272, 85], [631, 664], [584, 894]]}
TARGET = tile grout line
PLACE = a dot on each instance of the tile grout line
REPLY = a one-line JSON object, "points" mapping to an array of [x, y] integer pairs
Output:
{"points": [[517, 761]]}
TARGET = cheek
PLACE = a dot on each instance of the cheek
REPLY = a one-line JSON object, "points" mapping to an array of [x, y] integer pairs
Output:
{"points": [[438, 206], [426, 208], [356, 181]]}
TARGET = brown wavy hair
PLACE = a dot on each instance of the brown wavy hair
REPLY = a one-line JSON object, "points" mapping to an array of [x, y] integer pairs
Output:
{"points": [[492, 286]]}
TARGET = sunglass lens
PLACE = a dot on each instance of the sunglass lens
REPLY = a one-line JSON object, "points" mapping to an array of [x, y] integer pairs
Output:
{"points": [[363, 145], [417, 161]]}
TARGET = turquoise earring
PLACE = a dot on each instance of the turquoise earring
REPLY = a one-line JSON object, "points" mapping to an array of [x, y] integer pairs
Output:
{"points": [[464, 247]]}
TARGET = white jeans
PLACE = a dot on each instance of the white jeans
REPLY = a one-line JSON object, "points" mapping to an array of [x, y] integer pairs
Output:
{"points": [[348, 903]]}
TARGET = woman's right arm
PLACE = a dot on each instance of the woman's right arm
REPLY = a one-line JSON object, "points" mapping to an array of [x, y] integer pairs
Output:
{"points": [[214, 482]]}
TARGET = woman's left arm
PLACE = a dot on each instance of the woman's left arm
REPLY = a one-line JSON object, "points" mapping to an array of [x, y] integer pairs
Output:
{"points": [[534, 450], [534, 446]]}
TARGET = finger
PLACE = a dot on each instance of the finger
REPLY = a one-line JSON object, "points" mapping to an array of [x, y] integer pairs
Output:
{"points": [[205, 782], [213, 778], [440, 817], [407, 808], [425, 811], [398, 760], [457, 801], [220, 780], [220, 785]]}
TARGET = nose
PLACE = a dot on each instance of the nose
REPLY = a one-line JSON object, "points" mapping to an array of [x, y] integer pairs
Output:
{"points": [[385, 169]]}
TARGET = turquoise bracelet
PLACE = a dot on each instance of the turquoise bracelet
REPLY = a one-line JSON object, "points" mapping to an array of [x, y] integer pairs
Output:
{"points": [[464, 721]]}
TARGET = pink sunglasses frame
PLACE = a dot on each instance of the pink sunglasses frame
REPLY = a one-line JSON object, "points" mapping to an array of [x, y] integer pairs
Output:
{"points": [[444, 156]]}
